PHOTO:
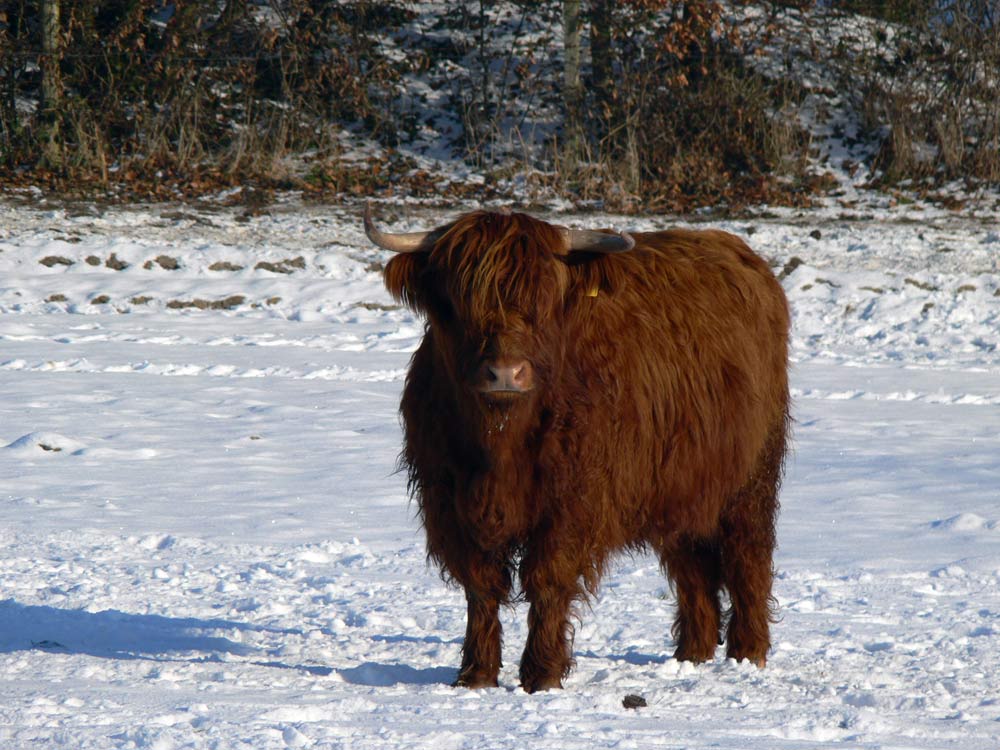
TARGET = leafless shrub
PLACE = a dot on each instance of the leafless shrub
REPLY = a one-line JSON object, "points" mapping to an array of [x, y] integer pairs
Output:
{"points": [[198, 90], [931, 88], [674, 112], [690, 123]]}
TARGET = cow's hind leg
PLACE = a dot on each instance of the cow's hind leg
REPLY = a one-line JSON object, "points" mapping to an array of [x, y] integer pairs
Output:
{"points": [[694, 568], [487, 582], [748, 541]]}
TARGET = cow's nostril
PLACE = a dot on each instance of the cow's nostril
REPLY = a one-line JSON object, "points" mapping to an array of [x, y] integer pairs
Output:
{"points": [[508, 377]]}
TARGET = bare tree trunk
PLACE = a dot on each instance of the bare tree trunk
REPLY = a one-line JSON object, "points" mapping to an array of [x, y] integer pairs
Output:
{"points": [[8, 115], [52, 156], [572, 88], [233, 10], [600, 56]]}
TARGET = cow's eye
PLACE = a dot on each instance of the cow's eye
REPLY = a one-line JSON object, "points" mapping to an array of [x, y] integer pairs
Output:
{"points": [[442, 309]]}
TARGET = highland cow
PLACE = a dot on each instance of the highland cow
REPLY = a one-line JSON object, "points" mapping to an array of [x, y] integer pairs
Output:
{"points": [[577, 393]]}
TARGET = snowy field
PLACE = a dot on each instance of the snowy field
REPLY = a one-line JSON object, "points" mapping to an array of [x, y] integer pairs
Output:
{"points": [[205, 544]]}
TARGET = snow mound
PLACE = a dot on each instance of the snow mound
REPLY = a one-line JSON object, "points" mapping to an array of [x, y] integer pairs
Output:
{"points": [[964, 522], [38, 443]]}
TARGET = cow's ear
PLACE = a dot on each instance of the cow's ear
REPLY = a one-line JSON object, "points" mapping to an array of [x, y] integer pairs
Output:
{"points": [[402, 277], [588, 274]]}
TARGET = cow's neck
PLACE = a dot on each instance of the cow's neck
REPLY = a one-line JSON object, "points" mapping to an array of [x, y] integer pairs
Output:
{"points": [[496, 501], [504, 427]]}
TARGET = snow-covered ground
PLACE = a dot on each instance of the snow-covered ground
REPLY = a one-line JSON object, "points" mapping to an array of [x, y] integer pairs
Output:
{"points": [[205, 544]]}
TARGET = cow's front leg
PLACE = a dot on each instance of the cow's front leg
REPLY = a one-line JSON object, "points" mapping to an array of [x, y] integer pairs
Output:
{"points": [[550, 586], [487, 583]]}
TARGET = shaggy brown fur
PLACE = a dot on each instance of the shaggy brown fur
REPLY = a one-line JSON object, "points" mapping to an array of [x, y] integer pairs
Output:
{"points": [[658, 421]]}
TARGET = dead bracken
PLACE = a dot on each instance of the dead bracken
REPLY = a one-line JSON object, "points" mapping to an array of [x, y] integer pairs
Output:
{"points": [[55, 260], [921, 285], [163, 261], [115, 263], [793, 263], [224, 265], [378, 306], [228, 303], [288, 265]]}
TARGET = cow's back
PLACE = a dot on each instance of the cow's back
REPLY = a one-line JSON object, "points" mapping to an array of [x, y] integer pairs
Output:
{"points": [[682, 355]]}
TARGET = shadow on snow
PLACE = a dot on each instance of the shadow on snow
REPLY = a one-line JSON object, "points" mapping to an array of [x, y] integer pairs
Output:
{"points": [[113, 634], [383, 675]]}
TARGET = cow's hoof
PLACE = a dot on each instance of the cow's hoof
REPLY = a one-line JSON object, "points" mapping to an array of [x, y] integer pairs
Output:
{"points": [[758, 661], [755, 657], [475, 682], [695, 655], [538, 686]]}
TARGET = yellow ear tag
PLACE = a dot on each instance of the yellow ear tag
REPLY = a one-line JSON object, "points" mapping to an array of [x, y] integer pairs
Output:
{"points": [[592, 292]]}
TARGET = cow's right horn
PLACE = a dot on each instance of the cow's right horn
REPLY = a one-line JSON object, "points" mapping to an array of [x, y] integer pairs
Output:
{"points": [[588, 241], [403, 242]]}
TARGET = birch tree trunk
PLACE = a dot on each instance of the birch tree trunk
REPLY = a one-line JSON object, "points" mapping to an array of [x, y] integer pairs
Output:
{"points": [[52, 154]]}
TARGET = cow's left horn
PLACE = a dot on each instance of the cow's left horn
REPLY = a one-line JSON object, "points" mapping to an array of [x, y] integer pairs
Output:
{"points": [[587, 241], [403, 242]]}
